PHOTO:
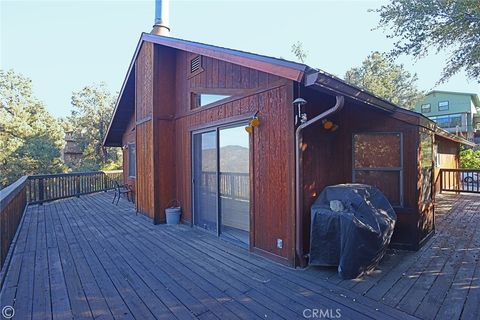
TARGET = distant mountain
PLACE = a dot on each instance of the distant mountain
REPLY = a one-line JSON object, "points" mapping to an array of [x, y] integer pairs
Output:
{"points": [[232, 159]]}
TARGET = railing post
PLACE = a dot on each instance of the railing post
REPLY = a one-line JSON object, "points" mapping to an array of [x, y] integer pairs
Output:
{"points": [[77, 186], [441, 180], [104, 181], [41, 190]]}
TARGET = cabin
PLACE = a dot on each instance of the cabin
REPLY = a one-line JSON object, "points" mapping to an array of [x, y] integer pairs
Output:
{"points": [[245, 143]]}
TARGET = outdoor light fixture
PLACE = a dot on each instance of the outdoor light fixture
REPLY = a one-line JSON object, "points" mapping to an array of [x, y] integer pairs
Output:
{"points": [[125, 147], [300, 117], [254, 122], [329, 125]]}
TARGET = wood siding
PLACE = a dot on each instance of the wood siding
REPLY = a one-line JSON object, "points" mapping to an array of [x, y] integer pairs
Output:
{"points": [[144, 130], [447, 158], [165, 122], [164, 99], [271, 168], [128, 137], [327, 157]]}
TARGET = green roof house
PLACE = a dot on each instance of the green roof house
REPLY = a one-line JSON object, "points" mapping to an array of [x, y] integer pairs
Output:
{"points": [[452, 111]]}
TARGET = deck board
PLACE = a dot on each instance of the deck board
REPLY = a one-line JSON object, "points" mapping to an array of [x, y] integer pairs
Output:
{"points": [[85, 258]]}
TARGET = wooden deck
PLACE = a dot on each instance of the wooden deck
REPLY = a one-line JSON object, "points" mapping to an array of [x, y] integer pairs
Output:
{"points": [[85, 258]]}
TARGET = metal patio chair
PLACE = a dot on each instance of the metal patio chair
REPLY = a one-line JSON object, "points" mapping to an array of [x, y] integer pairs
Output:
{"points": [[119, 190]]}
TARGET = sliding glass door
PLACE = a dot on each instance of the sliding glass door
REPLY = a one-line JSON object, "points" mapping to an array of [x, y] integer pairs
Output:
{"points": [[221, 162], [234, 188], [205, 180]]}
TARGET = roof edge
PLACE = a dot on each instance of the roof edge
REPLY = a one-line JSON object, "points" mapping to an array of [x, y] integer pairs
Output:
{"points": [[450, 136], [330, 82], [120, 94], [280, 67]]}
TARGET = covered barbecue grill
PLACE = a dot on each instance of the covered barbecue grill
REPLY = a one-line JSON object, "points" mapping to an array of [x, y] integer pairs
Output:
{"points": [[351, 227]]}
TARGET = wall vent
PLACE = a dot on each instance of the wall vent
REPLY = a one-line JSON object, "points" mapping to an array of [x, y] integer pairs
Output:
{"points": [[195, 64]]}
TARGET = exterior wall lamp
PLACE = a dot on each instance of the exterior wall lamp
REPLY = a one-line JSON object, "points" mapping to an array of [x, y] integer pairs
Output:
{"points": [[254, 122], [329, 125], [300, 117]]}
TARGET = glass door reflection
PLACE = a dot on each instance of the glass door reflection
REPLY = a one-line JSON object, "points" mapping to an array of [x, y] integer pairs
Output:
{"points": [[205, 186], [234, 183]]}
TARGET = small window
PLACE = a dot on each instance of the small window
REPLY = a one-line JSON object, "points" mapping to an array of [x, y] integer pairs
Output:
{"points": [[426, 108], [443, 106], [132, 161], [203, 99], [378, 161]]}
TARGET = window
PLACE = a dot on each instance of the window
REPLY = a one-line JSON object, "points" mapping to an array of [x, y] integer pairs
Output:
{"points": [[449, 121], [426, 166], [426, 108], [378, 161], [203, 99], [132, 161], [443, 106]]}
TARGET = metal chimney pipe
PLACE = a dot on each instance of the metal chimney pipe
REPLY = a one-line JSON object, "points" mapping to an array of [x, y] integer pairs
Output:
{"points": [[162, 19]]}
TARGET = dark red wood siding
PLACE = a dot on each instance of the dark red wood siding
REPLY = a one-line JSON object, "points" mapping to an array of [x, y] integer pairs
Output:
{"points": [[271, 144], [327, 158], [127, 138], [144, 130]]}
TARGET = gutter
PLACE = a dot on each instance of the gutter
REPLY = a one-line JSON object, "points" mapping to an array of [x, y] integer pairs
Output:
{"points": [[298, 169]]}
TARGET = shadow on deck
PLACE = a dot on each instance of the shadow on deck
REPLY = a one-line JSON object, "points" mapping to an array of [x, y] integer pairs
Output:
{"points": [[85, 258]]}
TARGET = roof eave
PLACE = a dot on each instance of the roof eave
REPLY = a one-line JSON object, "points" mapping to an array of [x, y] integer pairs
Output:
{"points": [[338, 86], [105, 142], [450, 136], [282, 68]]}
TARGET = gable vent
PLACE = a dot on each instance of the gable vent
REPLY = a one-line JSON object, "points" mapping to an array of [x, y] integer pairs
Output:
{"points": [[195, 64]]}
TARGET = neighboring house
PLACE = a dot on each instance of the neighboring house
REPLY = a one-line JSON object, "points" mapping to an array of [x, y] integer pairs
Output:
{"points": [[453, 111], [215, 129], [71, 153]]}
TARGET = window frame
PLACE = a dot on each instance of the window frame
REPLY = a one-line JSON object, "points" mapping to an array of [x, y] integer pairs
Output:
{"points": [[429, 108], [447, 105], [232, 93], [129, 151], [400, 169], [196, 98], [449, 117]]}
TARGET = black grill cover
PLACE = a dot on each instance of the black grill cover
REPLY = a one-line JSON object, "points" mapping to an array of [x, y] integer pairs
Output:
{"points": [[356, 238]]}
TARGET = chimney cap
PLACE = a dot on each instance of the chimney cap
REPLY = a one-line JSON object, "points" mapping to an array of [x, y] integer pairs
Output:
{"points": [[162, 12]]}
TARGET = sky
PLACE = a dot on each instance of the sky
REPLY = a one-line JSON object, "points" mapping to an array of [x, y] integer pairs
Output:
{"points": [[64, 46]]}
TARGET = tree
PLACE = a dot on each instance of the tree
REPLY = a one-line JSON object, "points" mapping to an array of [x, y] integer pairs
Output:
{"points": [[386, 79], [469, 158], [419, 26], [30, 138], [299, 51], [93, 107]]}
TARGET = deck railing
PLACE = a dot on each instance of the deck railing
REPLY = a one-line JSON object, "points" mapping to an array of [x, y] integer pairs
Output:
{"points": [[13, 200], [233, 185], [460, 180], [41, 188]]}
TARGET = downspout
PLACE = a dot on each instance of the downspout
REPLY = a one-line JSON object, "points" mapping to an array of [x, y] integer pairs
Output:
{"points": [[298, 169]]}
